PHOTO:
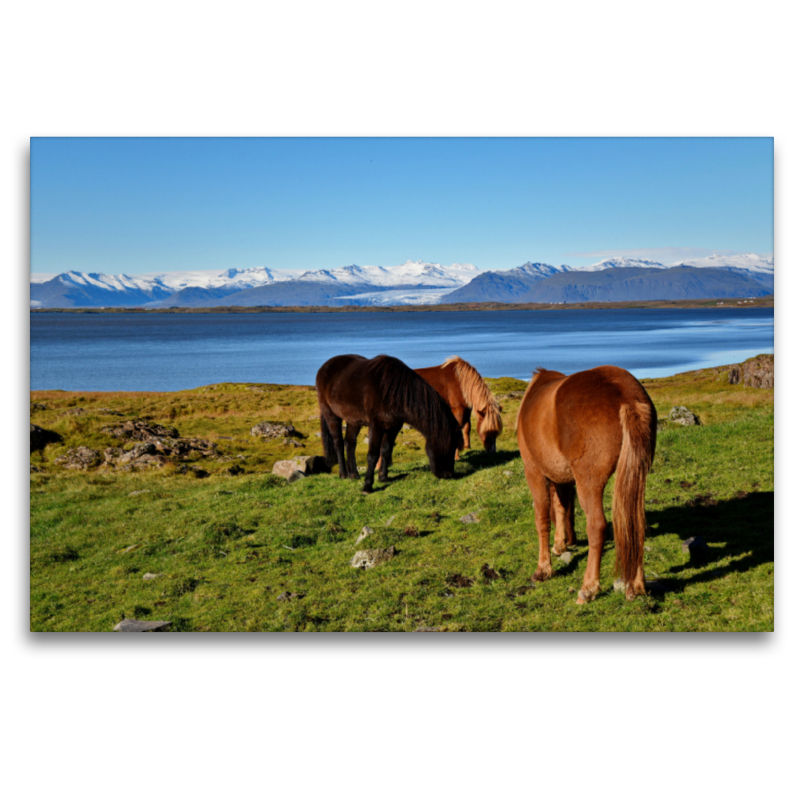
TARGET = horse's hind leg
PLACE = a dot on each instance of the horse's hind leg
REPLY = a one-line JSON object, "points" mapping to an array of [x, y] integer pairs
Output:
{"points": [[387, 448], [591, 498], [540, 491], [562, 514], [350, 442]]}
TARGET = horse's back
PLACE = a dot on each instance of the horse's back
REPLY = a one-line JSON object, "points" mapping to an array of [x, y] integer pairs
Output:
{"points": [[570, 419]]}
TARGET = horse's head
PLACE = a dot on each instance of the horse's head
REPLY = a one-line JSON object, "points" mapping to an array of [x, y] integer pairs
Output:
{"points": [[490, 425], [442, 452]]}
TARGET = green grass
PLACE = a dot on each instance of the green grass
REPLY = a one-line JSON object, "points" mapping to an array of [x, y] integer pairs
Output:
{"points": [[226, 548]]}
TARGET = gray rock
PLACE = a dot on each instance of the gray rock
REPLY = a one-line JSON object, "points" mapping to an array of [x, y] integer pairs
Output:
{"points": [[306, 465], [366, 559], [682, 416], [80, 458], [151, 576], [566, 557], [275, 430], [759, 372], [365, 531], [696, 546], [295, 476], [141, 626], [470, 518]]}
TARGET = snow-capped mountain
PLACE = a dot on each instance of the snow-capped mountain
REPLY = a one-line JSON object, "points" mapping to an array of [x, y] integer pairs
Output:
{"points": [[746, 261], [254, 286], [610, 263]]}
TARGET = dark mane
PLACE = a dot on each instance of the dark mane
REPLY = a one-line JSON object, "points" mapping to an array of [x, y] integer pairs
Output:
{"points": [[416, 399]]}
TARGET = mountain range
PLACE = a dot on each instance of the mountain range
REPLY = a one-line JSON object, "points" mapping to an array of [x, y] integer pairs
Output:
{"points": [[414, 282]]}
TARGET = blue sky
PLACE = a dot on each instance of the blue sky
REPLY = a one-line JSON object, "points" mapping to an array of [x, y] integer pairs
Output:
{"points": [[139, 205]]}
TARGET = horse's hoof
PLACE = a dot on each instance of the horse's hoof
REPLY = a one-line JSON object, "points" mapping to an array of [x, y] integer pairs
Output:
{"points": [[584, 597], [366, 491], [539, 576]]}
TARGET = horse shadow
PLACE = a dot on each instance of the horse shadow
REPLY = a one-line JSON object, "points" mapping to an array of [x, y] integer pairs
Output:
{"points": [[742, 528], [481, 459]]}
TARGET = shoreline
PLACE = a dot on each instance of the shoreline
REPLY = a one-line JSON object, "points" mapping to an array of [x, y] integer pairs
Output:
{"points": [[713, 303]]}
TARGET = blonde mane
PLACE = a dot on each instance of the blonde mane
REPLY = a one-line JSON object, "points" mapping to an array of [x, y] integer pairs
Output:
{"points": [[476, 393]]}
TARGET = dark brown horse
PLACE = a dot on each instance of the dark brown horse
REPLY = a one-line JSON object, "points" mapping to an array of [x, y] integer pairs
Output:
{"points": [[382, 393], [577, 431], [463, 389]]}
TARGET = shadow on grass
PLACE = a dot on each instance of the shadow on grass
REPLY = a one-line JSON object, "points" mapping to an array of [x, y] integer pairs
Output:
{"points": [[744, 526]]}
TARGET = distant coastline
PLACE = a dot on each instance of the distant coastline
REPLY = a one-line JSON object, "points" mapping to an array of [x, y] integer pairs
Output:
{"points": [[759, 302]]}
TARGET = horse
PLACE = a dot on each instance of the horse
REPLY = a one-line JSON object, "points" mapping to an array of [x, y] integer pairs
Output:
{"points": [[574, 432], [383, 393], [463, 389]]}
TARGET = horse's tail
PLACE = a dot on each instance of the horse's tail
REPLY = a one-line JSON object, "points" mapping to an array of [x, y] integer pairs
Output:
{"points": [[327, 443], [635, 459]]}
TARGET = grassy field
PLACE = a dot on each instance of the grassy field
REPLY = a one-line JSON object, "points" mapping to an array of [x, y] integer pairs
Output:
{"points": [[251, 552]]}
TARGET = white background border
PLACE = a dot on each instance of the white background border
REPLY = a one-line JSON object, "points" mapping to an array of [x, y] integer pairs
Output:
{"points": [[363, 716]]}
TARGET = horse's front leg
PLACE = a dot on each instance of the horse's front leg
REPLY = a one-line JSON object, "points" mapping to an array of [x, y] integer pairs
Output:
{"points": [[350, 442], [540, 491], [374, 452], [334, 425], [466, 427], [387, 448]]}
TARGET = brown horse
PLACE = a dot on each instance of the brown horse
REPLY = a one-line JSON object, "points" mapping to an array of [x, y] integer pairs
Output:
{"points": [[577, 431], [382, 393], [463, 389]]}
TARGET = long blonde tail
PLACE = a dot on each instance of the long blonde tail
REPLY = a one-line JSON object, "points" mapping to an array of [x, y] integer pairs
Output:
{"points": [[635, 460]]}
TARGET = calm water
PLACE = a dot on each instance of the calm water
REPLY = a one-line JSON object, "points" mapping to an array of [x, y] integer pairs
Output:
{"points": [[167, 352]]}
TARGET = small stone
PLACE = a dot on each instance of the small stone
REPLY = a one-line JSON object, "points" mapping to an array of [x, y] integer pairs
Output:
{"points": [[151, 576], [696, 546], [619, 585], [470, 518], [138, 491], [365, 531], [566, 557], [366, 559], [141, 626]]}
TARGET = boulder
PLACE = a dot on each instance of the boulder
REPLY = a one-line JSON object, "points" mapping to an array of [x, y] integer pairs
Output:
{"points": [[682, 416], [40, 437], [306, 465], [366, 559], [142, 626], [80, 458], [759, 372], [275, 430], [141, 431]]}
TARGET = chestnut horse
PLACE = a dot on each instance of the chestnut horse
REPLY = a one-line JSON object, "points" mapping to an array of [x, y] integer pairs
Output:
{"points": [[577, 431], [463, 389], [383, 393]]}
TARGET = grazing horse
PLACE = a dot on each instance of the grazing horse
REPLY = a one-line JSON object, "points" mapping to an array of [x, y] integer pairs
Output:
{"points": [[383, 393], [463, 389], [577, 431]]}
